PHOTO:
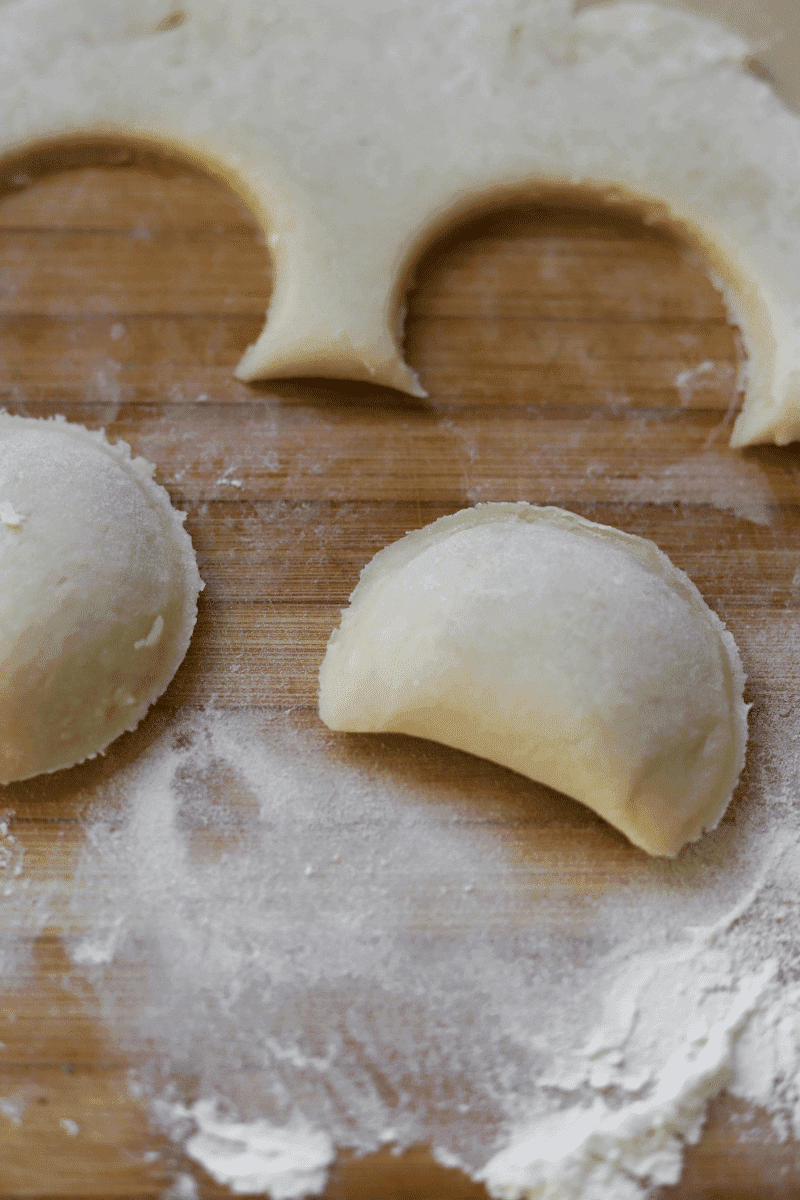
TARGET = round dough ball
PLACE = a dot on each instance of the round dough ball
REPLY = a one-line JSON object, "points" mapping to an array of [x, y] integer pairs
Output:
{"points": [[99, 594], [569, 651]]}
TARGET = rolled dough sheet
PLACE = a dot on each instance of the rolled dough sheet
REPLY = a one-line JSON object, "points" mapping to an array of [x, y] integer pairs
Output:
{"points": [[356, 132]]}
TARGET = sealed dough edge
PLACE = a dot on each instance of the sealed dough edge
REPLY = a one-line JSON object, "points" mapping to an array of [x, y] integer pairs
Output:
{"points": [[99, 598], [569, 651]]}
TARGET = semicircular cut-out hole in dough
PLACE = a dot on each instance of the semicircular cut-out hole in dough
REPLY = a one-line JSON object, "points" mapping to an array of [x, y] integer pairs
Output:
{"points": [[541, 323], [572, 652], [351, 139], [179, 283]]}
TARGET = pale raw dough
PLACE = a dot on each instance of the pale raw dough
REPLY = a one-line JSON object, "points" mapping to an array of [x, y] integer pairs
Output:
{"points": [[572, 652], [356, 130], [99, 593]]}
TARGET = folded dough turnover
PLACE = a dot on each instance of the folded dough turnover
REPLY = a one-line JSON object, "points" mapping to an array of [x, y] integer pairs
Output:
{"points": [[99, 593], [571, 652]]}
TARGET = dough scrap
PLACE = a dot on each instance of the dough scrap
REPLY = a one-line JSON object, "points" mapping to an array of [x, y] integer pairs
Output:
{"points": [[355, 131], [99, 596], [571, 652]]}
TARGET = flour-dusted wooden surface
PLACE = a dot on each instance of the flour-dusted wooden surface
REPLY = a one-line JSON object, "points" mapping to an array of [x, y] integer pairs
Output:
{"points": [[557, 345]]}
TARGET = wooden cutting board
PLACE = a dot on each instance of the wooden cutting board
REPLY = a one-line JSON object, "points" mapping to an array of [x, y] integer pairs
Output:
{"points": [[573, 356]]}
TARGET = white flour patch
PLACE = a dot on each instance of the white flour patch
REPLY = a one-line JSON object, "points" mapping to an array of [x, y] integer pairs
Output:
{"points": [[327, 960], [729, 484], [707, 376], [13, 1108], [9, 516], [98, 948], [183, 1188], [255, 1157]]}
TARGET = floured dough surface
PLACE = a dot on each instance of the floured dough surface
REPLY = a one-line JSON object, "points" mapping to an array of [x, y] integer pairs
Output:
{"points": [[571, 652], [99, 593], [356, 131]]}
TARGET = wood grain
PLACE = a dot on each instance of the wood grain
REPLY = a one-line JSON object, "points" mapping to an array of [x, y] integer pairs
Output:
{"points": [[554, 343]]}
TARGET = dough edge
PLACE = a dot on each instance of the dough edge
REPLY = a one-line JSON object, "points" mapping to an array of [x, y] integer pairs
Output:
{"points": [[140, 471], [335, 309], [393, 558]]}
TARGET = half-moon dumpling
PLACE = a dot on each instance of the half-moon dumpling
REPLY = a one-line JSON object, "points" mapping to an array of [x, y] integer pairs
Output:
{"points": [[99, 593], [571, 652]]}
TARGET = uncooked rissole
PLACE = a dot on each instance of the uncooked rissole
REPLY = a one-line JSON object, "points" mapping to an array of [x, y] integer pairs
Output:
{"points": [[99, 593], [572, 652]]}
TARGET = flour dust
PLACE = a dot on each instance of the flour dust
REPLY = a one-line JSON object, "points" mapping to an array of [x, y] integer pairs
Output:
{"points": [[331, 952]]}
